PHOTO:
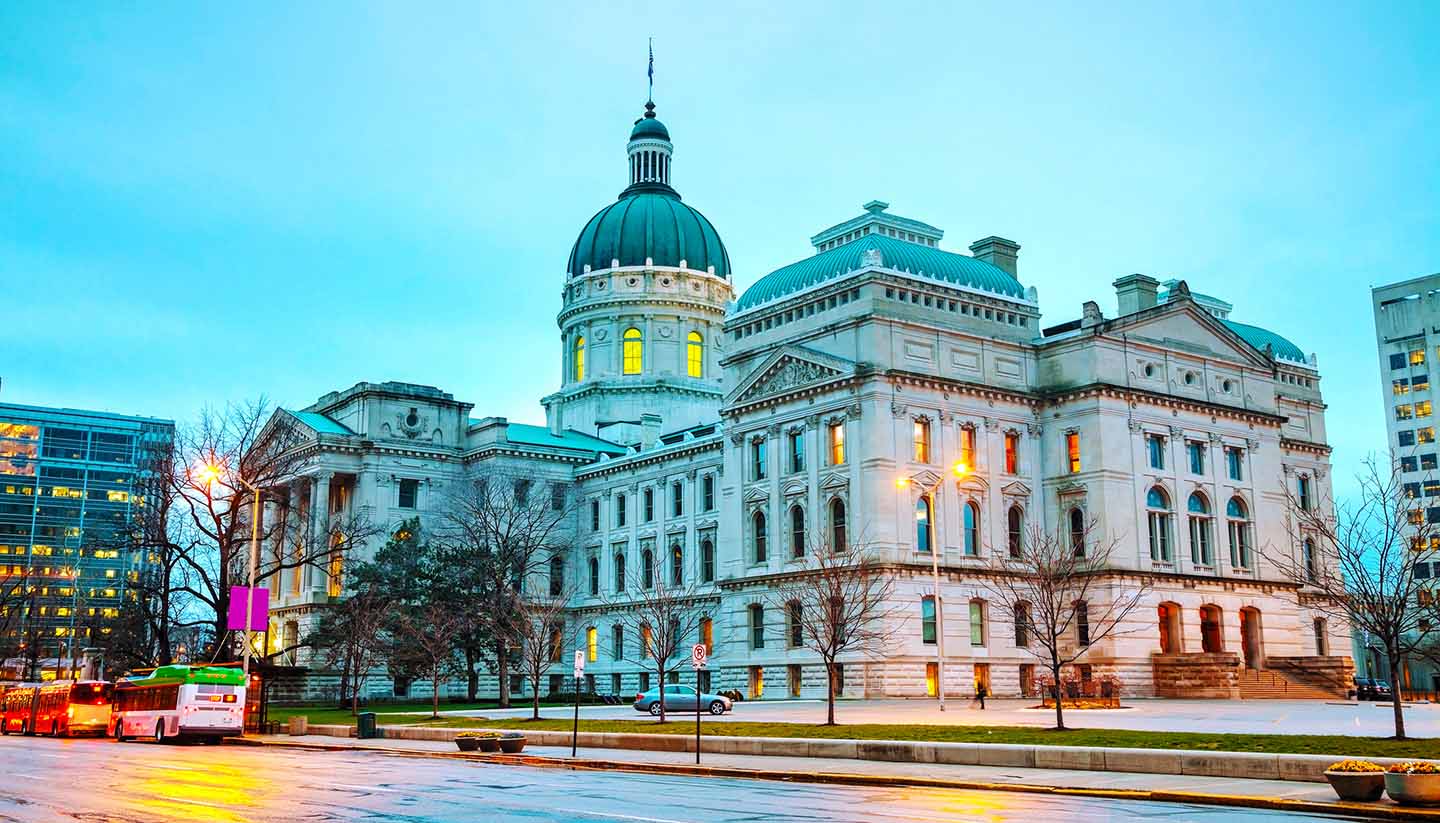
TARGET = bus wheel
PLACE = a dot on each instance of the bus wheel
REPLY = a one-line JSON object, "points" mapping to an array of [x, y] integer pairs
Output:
{"points": [[120, 732], [160, 731]]}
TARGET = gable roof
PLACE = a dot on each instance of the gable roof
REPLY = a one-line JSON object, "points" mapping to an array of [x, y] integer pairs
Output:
{"points": [[319, 422], [529, 435]]}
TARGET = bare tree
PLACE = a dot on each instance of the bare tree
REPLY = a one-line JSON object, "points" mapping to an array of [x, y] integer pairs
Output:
{"points": [[539, 638], [351, 633], [498, 532], [1357, 560], [429, 636], [840, 603], [664, 615], [1062, 597]]}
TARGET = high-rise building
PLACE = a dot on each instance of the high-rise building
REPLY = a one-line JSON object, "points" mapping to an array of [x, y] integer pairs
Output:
{"points": [[70, 485], [1407, 335]]}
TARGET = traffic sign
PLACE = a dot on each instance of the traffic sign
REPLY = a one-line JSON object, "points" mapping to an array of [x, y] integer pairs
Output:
{"points": [[579, 664], [698, 653]]}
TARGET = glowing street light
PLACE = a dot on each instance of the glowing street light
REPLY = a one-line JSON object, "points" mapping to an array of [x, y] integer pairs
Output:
{"points": [[960, 469]]}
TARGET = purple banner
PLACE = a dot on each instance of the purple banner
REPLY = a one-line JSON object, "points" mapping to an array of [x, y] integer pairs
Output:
{"points": [[259, 609]]}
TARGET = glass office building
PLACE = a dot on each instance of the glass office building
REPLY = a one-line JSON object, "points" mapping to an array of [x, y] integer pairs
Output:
{"points": [[70, 485]]}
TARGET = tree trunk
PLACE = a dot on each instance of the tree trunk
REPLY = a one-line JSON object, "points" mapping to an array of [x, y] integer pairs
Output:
{"points": [[472, 674], [502, 670], [1396, 662], [829, 693], [1059, 698], [435, 696], [661, 671], [535, 698], [345, 680]]}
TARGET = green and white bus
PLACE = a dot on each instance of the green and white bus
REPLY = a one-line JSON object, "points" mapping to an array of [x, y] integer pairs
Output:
{"points": [[202, 702]]}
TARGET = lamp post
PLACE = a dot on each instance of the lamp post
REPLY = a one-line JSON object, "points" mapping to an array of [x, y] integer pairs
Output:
{"points": [[210, 473], [960, 470]]}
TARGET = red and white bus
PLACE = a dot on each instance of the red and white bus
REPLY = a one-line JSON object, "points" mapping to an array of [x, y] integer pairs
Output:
{"points": [[200, 702], [17, 712], [70, 707]]}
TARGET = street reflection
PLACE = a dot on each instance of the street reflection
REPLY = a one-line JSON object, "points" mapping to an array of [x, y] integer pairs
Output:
{"points": [[201, 788]]}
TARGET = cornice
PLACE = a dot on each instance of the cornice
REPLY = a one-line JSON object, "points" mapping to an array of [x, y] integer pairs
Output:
{"points": [[689, 448]]}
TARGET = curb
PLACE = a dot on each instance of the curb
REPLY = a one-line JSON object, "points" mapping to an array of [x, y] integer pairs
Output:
{"points": [[1361, 811]]}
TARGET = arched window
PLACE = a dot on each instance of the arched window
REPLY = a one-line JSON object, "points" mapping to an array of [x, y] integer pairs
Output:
{"points": [[1212, 637], [1202, 553], [707, 561], [557, 575], [1157, 505], [633, 351], [1077, 531], [797, 532], [1312, 563], [594, 576], [922, 524], [647, 569], [1238, 526], [677, 565], [757, 534], [619, 572], [695, 355], [1014, 531], [971, 522], [838, 540], [580, 358]]}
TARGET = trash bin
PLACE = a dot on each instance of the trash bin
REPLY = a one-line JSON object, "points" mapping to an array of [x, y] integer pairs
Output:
{"points": [[365, 727]]}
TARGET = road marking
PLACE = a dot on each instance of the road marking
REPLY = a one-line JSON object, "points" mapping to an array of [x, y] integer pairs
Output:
{"points": [[593, 813]]}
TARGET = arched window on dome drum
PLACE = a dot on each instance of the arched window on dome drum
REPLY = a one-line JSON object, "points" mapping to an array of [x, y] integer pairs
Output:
{"points": [[695, 355], [580, 358], [633, 351]]}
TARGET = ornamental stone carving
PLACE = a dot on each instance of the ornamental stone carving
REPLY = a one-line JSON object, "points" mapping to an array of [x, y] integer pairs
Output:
{"points": [[991, 424], [853, 412], [1177, 432], [1135, 425], [898, 409], [1035, 429], [789, 374]]}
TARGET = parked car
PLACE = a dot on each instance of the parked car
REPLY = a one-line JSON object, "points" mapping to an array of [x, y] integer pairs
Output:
{"points": [[681, 699], [1368, 688]]}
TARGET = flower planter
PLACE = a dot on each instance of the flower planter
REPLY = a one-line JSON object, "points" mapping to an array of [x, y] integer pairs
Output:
{"points": [[512, 745], [468, 744], [1413, 789], [1362, 786], [489, 745]]}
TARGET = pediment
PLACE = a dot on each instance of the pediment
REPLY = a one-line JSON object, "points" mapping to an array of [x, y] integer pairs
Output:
{"points": [[974, 483], [787, 369], [756, 494], [834, 480], [1186, 327], [795, 488], [925, 478], [1015, 489]]}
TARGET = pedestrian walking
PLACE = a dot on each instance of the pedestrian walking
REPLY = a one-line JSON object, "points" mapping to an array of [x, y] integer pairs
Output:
{"points": [[980, 692]]}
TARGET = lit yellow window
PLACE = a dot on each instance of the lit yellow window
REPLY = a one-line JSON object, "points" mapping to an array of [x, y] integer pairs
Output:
{"points": [[922, 441], [1072, 450], [1422, 409], [117, 497], [837, 443], [1417, 357], [695, 355], [1404, 411], [592, 643], [633, 351], [580, 358], [646, 638]]}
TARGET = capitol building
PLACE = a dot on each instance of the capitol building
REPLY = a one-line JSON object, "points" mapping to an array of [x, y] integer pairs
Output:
{"points": [[711, 435]]}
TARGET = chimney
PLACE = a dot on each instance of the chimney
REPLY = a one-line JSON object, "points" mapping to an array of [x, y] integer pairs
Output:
{"points": [[1135, 292], [998, 252], [649, 429]]}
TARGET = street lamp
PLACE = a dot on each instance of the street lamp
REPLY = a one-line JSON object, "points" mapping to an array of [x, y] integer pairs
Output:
{"points": [[960, 470], [209, 473]]}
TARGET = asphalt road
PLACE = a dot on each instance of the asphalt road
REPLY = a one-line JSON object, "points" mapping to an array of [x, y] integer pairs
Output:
{"points": [[99, 781]]}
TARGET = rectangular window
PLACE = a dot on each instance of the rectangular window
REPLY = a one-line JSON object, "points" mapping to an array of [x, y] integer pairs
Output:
{"points": [[1196, 450], [1401, 386], [619, 511], [1417, 357], [1404, 411], [977, 623], [921, 437], [757, 626], [1012, 453], [797, 452], [1409, 464], [1412, 490], [836, 434], [595, 515], [1082, 623], [1420, 382], [1302, 491], [649, 498], [1234, 463], [1422, 408], [617, 642], [797, 625], [757, 460], [1425, 434], [1397, 361], [927, 621], [677, 499], [707, 633], [409, 493], [707, 492], [592, 644], [1405, 438], [967, 447], [1072, 451], [1155, 448], [1432, 488], [1427, 461], [557, 496]]}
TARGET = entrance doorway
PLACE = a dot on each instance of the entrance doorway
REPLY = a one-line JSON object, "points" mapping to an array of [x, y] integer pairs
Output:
{"points": [[1212, 639], [757, 682], [932, 679], [1251, 642], [982, 677], [1168, 616]]}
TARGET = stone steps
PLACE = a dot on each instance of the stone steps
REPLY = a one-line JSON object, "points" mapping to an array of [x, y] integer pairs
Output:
{"points": [[1268, 685]]}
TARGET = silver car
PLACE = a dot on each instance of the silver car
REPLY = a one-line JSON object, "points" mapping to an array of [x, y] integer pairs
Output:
{"points": [[680, 698]]}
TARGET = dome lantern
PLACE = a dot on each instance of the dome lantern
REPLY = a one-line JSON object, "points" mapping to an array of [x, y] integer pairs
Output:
{"points": [[650, 150]]}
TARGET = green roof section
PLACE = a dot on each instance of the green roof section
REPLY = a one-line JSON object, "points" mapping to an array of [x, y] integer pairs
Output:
{"points": [[529, 435], [944, 267], [649, 128], [649, 222], [320, 423], [1260, 338], [166, 675]]}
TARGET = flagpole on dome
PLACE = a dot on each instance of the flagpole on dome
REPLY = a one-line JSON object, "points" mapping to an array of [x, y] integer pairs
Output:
{"points": [[650, 73]]}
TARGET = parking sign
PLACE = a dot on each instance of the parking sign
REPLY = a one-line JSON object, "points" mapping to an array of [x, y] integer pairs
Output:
{"points": [[579, 664], [698, 653]]}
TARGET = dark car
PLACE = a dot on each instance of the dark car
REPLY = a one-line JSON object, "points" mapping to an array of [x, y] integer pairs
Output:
{"points": [[1369, 688]]}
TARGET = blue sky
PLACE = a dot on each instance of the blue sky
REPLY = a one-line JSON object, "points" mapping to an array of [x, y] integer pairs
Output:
{"points": [[206, 204]]}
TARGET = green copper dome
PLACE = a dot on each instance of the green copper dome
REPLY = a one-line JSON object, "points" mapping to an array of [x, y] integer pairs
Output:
{"points": [[1260, 338], [649, 128], [922, 261], [649, 222]]}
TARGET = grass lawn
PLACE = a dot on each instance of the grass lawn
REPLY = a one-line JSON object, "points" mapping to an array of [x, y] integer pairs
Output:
{"points": [[1337, 745], [386, 713]]}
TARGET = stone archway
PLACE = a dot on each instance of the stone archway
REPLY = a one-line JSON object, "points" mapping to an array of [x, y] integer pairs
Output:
{"points": [[1252, 639], [1168, 618], [1212, 633]]}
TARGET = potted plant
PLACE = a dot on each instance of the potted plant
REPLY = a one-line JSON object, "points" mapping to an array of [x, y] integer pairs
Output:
{"points": [[1357, 780], [473, 741], [1414, 783], [512, 742]]}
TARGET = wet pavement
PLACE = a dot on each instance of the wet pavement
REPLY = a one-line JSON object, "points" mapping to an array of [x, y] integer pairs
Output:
{"points": [[100, 781]]}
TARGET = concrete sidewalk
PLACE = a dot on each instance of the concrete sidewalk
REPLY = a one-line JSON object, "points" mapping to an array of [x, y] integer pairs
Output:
{"points": [[1298, 797]]}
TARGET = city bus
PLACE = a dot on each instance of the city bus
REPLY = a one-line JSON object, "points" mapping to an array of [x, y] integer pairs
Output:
{"points": [[17, 712], [69, 707], [198, 702]]}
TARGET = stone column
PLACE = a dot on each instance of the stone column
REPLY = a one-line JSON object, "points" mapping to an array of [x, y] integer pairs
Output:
{"points": [[319, 526]]}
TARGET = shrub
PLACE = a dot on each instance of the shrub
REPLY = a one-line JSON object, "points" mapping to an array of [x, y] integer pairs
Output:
{"points": [[477, 735], [1414, 767], [1355, 766]]}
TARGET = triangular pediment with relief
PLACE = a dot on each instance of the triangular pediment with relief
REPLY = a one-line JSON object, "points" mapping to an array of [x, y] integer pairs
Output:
{"points": [[1015, 489], [787, 369], [1186, 327], [756, 494]]}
